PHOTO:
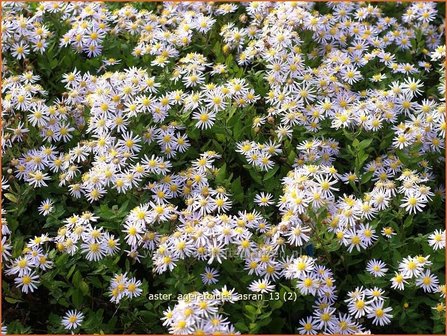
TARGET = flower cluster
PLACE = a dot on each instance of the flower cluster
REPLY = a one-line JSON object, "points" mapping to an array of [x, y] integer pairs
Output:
{"points": [[415, 267], [22, 35], [89, 26], [257, 154], [310, 188], [123, 287], [27, 268], [78, 234], [318, 281], [199, 313]]}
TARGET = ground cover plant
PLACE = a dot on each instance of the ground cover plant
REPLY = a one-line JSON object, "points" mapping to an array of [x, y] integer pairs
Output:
{"points": [[223, 167]]}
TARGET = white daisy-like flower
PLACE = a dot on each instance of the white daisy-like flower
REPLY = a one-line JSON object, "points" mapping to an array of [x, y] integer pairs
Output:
{"points": [[27, 282], [398, 281], [205, 118], [46, 207], [427, 281], [261, 286], [376, 267], [379, 314], [72, 319], [263, 199], [210, 276], [437, 240]]}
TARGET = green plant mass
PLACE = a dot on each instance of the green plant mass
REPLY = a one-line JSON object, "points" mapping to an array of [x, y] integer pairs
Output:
{"points": [[218, 168]]}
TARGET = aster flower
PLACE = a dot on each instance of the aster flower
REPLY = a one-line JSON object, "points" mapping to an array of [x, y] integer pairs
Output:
{"points": [[27, 282], [376, 267], [261, 286], [379, 314], [263, 199], [46, 207], [72, 319], [427, 281], [210, 276], [205, 119], [437, 239]]}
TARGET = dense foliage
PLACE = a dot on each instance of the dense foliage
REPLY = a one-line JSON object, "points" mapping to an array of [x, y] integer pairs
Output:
{"points": [[223, 167]]}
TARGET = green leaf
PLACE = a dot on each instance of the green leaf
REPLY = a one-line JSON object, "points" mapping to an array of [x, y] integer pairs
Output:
{"points": [[105, 212], [232, 110], [236, 188], [288, 289], [193, 132], [12, 300], [253, 328], [408, 221], [366, 177], [276, 304], [77, 278], [11, 197], [77, 298], [70, 272], [263, 321], [265, 315], [254, 174], [271, 173], [362, 158], [62, 260], [84, 287], [221, 137], [217, 146], [221, 174], [124, 208], [241, 326], [237, 130], [348, 134], [365, 143], [250, 309]]}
